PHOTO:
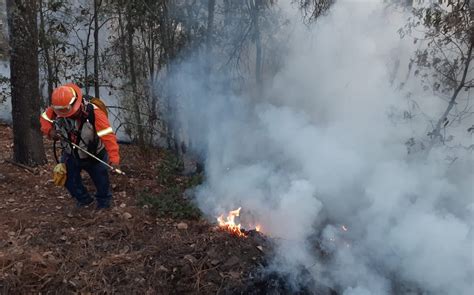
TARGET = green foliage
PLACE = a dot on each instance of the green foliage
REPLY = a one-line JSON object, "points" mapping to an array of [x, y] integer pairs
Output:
{"points": [[171, 201], [169, 204], [168, 168], [194, 180], [168, 173]]}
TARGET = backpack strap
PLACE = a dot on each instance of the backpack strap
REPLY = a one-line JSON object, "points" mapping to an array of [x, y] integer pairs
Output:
{"points": [[90, 116], [87, 97], [92, 147]]}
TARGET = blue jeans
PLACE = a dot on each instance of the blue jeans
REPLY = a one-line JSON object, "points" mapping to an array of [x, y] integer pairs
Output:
{"points": [[99, 174]]}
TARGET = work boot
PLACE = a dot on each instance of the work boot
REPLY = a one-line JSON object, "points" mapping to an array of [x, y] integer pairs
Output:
{"points": [[102, 204], [84, 203]]}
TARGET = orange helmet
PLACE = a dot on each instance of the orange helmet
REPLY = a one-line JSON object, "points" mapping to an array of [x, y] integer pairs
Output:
{"points": [[66, 100]]}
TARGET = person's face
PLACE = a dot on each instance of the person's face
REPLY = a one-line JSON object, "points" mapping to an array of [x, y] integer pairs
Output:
{"points": [[77, 114]]}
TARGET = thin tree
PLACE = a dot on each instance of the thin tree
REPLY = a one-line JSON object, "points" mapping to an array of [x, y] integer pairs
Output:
{"points": [[209, 36], [45, 45], [22, 21], [255, 7], [97, 5], [445, 62], [133, 74]]}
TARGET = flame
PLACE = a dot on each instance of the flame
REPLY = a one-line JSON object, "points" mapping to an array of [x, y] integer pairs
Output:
{"points": [[229, 222]]}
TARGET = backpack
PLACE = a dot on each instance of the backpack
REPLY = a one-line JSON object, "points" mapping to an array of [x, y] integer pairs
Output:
{"points": [[98, 103]]}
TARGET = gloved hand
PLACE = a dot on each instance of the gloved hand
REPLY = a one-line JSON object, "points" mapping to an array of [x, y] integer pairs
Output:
{"points": [[60, 174], [53, 134]]}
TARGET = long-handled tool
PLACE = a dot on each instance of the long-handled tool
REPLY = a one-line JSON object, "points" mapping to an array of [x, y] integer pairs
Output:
{"points": [[118, 171]]}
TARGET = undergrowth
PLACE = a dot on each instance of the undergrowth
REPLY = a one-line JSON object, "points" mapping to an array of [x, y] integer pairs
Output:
{"points": [[171, 202]]}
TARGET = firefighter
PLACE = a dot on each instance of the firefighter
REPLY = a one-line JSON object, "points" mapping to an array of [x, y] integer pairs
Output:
{"points": [[71, 118]]}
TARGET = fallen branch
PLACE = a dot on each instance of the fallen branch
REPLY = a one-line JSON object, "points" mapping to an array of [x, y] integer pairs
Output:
{"points": [[29, 169]]}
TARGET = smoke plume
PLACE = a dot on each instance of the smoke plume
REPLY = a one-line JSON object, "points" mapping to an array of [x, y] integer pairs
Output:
{"points": [[321, 162]]}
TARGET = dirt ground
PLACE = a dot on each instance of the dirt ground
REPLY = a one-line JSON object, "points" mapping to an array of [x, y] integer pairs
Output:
{"points": [[48, 247]]}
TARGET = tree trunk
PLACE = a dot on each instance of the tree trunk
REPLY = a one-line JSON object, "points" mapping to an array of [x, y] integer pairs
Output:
{"points": [[210, 31], [258, 46], [97, 4], [45, 46], [165, 57], [153, 108], [133, 80], [28, 142], [86, 57], [122, 38], [210, 23]]}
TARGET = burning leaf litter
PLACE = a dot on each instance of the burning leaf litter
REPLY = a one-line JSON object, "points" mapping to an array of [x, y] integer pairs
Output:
{"points": [[229, 224]]}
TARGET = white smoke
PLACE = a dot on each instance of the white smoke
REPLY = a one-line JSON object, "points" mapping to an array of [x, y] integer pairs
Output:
{"points": [[323, 149]]}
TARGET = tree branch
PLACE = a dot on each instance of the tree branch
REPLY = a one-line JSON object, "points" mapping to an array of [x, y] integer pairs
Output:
{"points": [[436, 133]]}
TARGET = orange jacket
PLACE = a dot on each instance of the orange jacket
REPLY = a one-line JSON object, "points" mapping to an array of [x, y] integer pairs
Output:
{"points": [[102, 127]]}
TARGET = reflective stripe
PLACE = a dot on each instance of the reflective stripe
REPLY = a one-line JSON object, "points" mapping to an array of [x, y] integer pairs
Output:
{"points": [[105, 132], [73, 99], [74, 95], [60, 108], [45, 116]]}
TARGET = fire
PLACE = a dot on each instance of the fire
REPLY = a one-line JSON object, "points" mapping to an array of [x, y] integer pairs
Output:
{"points": [[228, 223]]}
